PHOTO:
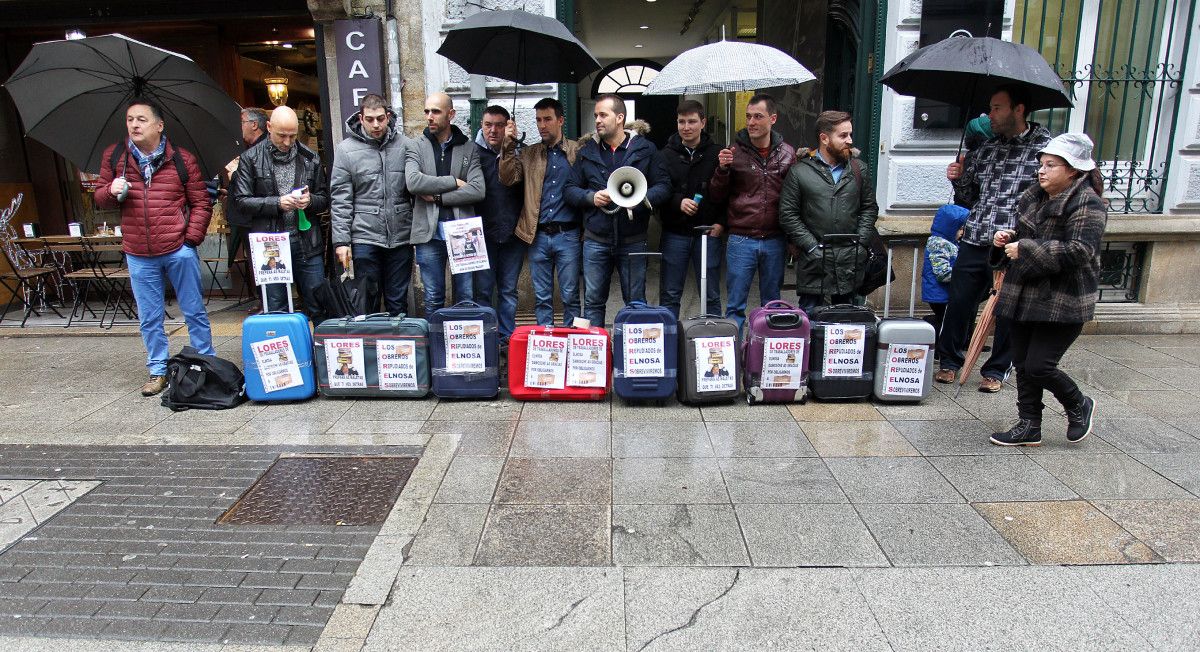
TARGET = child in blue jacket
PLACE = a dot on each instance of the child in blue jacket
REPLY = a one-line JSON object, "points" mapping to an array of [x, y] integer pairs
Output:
{"points": [[940, 251]]}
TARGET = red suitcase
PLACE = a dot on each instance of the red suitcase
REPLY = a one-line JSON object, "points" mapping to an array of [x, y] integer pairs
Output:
{"points": [[557, 363]]}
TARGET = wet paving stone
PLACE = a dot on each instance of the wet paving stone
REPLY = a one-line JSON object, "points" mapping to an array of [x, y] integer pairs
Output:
{"points": [[1065, 532]]}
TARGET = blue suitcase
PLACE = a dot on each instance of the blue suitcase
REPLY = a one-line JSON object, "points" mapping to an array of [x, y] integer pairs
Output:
{"points": [[645, 353], [464, 351], [277, 354]]}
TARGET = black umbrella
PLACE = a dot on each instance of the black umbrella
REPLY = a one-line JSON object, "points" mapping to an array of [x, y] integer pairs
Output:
{"points": [[518, 46], [966, 72], [72, 95]]}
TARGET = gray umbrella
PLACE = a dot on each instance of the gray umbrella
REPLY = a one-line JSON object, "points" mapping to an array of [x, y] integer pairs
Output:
{"points": [[72, 96]]}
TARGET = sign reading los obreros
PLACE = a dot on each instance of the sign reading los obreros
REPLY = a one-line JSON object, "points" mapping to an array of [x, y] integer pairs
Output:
{"points": [[465, 346], [716, 366], [546, 362], [271, 258], [587, 360], [645, 350], [276, 362], [783, 363], [904, 372], [344, 363], [397, 362], [845, 348]]}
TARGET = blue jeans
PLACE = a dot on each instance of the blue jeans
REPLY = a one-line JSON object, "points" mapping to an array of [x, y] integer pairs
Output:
{"points": [[147, 276], [678, 253], [745, 256], [550, 254], [308, 274], [599, 259], [431, 258], [506, 260], [391, 269]]}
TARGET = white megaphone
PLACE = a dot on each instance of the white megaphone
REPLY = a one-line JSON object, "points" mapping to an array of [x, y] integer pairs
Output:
{"points": [[627, 188]]}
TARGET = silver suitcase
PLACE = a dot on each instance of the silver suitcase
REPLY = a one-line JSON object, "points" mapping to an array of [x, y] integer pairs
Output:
{"points": [[904, 364]]}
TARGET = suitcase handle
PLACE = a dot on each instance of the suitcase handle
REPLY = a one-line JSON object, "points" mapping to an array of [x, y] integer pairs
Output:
{"points": [[466, 303], [779, 303], [785, 320], [637, 304]]}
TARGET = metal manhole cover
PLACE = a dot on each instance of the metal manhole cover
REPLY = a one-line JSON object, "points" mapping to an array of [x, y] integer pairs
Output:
{"points": [[323, 490]]}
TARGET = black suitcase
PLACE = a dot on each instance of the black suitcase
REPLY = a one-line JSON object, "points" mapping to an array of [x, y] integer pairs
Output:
{"points": [[844, 337], [710, 360], [373, 355]]}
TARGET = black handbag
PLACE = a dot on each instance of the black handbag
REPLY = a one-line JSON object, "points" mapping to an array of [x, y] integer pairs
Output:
{"points": [[202, 382], [877, 272]]}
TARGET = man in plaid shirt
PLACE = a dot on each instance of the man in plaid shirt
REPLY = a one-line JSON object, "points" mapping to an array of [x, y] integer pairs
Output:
{"points": [[989, 182]]}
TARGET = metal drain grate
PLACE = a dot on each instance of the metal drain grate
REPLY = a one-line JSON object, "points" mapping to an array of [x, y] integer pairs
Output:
{"points": [[323, 490]]}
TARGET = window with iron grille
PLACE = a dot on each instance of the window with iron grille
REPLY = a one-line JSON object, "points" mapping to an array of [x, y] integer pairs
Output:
{"points": [[1121, 271], [1122, 63]]}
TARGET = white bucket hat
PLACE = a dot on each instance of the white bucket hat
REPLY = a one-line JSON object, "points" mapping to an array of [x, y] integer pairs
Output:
{"points": [[1075, 149]]}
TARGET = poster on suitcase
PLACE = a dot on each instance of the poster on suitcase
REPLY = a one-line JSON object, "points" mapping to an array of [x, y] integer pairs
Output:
{"points": [[344, 363], [465, 351], [904, 372], [277, 364], [644, 350], [845, 349], [271, 258], [715, 364], [465, 245], [397, 361], [587, 360], [783, 363], [546, 362]]}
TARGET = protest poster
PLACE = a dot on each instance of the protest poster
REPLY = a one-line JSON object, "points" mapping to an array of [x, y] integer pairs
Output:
{"points": [[344, 364], [783, 363], [845, 348], [644, 350], [716, 366], [587, 361], [271, 258], [546, 362], [904, 371], [465, 245], [397, 362], [276, 362], [465, 346]]}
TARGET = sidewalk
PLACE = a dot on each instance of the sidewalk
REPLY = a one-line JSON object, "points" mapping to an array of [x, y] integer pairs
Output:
{"points": [[608, 527]]}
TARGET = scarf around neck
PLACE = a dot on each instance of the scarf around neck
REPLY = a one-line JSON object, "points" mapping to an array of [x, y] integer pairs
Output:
{"points": [[148, 163]]}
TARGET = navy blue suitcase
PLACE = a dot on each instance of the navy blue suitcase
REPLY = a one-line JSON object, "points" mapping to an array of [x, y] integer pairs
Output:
{"points": [[464, 351], [645, 353]]}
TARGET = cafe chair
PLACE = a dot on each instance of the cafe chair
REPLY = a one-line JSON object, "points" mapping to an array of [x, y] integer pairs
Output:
{"points": [[25, 283]]}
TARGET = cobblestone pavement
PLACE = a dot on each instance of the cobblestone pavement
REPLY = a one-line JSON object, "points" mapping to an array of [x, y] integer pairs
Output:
{"points": [[610, 527]]}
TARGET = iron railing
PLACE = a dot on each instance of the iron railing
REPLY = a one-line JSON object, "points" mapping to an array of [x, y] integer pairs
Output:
{"points": [[1121, 271]]}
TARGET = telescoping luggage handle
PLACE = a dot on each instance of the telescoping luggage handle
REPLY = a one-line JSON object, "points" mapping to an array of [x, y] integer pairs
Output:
{"points": [[887, 288]]}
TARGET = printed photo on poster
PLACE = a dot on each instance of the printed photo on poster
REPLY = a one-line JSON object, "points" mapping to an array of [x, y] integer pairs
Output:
{"points": [[465, 245], [716, 366], [546, 362], [277, 365], [783, 363], [645, 351], [904, 372], [587, 363], [344, 363], [271, 258], [845, 348], [465, 352], [397, 361]]}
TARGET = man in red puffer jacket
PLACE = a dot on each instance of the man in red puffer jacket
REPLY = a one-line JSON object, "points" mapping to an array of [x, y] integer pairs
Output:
{"points": [[164, 217]]}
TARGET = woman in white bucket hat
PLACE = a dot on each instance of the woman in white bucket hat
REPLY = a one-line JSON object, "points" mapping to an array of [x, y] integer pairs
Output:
{"points": [[1050, 288]]}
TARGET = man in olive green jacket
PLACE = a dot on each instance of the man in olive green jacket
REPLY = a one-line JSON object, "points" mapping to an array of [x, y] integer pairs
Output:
{"points": [[827, 191]]}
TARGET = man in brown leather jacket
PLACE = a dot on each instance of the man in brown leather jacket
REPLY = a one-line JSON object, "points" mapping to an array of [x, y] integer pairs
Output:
{"points": [[750, 177]]}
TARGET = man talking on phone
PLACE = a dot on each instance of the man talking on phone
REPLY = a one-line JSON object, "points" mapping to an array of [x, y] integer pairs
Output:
{"points": [[279, 184]]}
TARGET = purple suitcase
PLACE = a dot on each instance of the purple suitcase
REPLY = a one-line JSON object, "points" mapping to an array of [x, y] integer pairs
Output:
{"points": [[776, 352]]}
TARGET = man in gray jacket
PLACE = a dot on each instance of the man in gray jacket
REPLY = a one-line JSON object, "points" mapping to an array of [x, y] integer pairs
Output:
{"points": [[370, 204], [442, 169]]}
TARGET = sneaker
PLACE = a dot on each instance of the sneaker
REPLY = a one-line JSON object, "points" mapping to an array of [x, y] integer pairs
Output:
{"points": [[1026, 432], [945, 376], [1079, 420], [990, 385], [155, 385]]}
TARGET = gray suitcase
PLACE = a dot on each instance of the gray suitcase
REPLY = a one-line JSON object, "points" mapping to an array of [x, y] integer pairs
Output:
{"points": [[904, 364], [710, 353]]}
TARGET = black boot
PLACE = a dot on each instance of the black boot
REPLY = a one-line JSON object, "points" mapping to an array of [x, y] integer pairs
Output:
{"points": [[1079, 420], [1027, 432]]}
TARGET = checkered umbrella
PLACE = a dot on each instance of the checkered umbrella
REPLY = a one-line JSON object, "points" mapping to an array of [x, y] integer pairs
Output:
{"points": [[728, 66]]}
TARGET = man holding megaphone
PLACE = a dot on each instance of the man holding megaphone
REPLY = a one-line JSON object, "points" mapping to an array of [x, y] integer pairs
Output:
{"points": [[615, 226]]}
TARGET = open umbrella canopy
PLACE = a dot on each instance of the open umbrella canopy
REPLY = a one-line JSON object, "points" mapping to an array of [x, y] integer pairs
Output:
{"points": [[728, 66], [518, 46], [966, 72], [72, 96]]}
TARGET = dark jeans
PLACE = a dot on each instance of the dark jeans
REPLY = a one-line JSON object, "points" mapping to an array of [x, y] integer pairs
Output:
{"points": [[680, 252], [391, 269], [308, 274], [599, 259], [506, 260], [971, 278], [1037, 347], [433, 259]]}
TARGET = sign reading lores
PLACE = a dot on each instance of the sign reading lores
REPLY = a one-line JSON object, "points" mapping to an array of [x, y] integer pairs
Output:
{"points": [[359, 61]]}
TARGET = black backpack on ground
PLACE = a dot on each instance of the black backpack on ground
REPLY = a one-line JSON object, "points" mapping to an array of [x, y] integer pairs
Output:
{"points": [[202, 382]]}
